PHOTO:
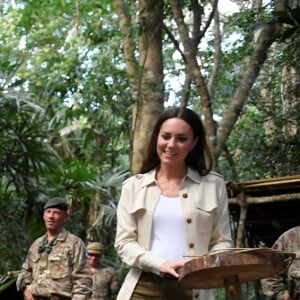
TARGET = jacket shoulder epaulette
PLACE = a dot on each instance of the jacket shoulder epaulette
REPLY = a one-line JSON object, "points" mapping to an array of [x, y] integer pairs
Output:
{"points": [[133, 177], [216, 174]]}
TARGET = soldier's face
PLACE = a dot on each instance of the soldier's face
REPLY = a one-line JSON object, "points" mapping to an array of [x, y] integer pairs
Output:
{"points": [[94, 260], [55, 219]]}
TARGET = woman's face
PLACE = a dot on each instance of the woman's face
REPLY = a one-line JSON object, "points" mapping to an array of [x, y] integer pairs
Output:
{"points": [[174, 142]]}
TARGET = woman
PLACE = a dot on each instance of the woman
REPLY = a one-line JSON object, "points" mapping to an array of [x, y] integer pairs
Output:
{"points": [[174, 209]]}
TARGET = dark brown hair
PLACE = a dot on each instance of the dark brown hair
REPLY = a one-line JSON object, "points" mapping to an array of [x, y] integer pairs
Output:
{"points": [[196, 158]]}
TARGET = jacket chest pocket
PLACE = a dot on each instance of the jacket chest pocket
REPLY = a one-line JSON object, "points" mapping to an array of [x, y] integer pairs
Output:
{"points": [[205, 214], [59, 265], [35, 266]]}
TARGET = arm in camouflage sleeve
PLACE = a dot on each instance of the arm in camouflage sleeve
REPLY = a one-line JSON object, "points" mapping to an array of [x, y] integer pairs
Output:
{"points": [[273, 286], [25, 277], [276, 286], [114, 285], [81, 275]]}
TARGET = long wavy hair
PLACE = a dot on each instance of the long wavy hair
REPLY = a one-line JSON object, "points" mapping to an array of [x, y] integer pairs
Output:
{"points": [[200, 158]]}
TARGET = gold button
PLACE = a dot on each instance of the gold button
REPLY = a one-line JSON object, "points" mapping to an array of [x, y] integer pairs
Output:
{"points": [[191, 245], [189, 220], [184, 195]]}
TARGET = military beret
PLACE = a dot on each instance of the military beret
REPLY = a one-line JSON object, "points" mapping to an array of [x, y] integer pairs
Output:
{"points": [[56, 202], [95, 248]]}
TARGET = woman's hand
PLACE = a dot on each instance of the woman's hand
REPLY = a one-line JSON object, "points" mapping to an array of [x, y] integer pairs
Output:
{"points": [[286, 295], [27, 293], [170, 267]]}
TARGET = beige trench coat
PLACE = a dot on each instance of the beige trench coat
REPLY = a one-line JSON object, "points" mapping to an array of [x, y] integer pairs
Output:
{"points": [[205, 209]]}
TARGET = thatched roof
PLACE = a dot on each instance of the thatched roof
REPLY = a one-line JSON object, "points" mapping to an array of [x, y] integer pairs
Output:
{"points": [[269, 207]]}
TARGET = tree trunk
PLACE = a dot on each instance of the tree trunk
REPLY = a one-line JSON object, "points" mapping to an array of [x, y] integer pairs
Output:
{"points": [[190, 46], [145, 76], [263, 39], [290, 100]]}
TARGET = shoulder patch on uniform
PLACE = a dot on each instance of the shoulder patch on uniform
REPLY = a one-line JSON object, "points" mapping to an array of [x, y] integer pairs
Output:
{"points": [[85, 254]]}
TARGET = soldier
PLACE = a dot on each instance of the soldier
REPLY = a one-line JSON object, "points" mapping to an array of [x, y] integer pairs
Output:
{"points": [[105, 280], [287, 285], [56, 266]]}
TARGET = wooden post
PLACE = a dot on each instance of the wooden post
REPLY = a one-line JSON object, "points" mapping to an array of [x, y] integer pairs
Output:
{"points": [[232, 288], [242, 199]]}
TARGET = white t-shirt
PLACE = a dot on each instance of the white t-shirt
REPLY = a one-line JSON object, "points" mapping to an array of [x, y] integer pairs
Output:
{"points": [[168, 236]]}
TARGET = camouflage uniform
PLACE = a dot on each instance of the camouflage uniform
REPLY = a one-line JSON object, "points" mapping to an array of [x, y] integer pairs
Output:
{"points": [[64, 272], [105, 284], [275, 286]]}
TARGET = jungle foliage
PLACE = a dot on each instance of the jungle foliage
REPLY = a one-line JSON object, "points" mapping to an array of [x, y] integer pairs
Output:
{"points": [[66, 109]]}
